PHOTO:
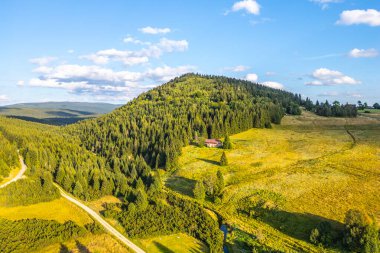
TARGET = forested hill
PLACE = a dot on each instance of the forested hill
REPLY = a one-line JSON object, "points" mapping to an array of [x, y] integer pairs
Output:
{"points": [[159, 122]]}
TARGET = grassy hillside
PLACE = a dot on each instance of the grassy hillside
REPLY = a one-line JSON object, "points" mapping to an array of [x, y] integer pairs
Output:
{"points": [[56, 113], [309, 169]]}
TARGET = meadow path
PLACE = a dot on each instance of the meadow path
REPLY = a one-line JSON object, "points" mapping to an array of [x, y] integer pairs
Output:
{"points": [[19, 174], [104, 223]]}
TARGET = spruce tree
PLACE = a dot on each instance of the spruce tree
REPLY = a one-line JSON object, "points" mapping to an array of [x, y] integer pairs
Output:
{"points": [[219, 181], [227, 142], [199, 191], [223, 159]]}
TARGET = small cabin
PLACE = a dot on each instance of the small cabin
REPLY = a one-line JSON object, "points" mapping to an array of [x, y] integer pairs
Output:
{"points": [[213, 143]]}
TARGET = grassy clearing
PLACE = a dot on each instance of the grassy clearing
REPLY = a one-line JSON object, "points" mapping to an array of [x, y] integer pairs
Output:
{"points": [[12, 174], [103, 243], [309, 167], [60, 210], [98, 204], [179, 243]]}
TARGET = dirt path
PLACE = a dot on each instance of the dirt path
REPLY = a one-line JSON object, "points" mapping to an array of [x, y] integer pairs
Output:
{"points": [[19, 174], [104, 223]]}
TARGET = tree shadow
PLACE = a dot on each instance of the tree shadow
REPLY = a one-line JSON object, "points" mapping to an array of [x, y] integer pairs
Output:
{"points": [[299, 225], [82, 248], [209, 161], [163, 248], [64, 249], [181, 185]]}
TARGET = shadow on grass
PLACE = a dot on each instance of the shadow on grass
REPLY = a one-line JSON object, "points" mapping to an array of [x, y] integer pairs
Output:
{"points": [[209, 161], [299, 225], [82, 248], [64, 249], [181, 185], [163, 248]]}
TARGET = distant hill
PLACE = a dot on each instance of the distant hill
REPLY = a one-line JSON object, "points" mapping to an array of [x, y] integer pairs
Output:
{"points": [[56, 113]]}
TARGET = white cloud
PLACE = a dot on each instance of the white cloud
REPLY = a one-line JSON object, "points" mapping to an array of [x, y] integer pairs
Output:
{"points": [[238, 68], [43, 69], [140, 56], [325, 3], [252, 77], [167, 73], [363, 53], [154, 30], [327, 77], [270, 73], [75, 73], [70, 51], [173, 45], [132, 40], [4, 98], [95, 80], [274, 85], [42, 60], [250, 6], [20, 83], [356, 17]]}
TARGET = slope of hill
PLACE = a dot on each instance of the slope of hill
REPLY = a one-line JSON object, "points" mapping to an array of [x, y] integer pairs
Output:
{"points": [[146, 133], [56, 113]]}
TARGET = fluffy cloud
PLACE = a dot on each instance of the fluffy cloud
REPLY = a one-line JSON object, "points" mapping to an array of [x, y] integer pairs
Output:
{"points": [[250, 6], [356, 17], [167, 73], [140, 56], [238, 68], [4, 98], [102, 82], [252, 77], [114, 82], [363, 53], [42, 60], [325, 3], [43, 69], [154, 30], [132, 40], [274, 85], [327, 77], [20, 83]]}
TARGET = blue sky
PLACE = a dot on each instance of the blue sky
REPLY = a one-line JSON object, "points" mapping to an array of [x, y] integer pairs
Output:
{"points": [[110, 51]]}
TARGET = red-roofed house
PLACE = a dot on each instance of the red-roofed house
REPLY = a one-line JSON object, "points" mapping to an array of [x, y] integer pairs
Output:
{"points": [[213, 143]]}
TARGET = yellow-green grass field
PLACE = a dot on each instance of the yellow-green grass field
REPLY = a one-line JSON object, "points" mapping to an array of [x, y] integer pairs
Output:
{"points": [[310, 168], [179, 243], [103, 243], [60, 210]]}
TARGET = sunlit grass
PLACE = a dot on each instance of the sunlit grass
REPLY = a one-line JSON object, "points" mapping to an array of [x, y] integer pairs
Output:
{"points": [[179, 243], [311, 161], [60, 210], [103, 243]]}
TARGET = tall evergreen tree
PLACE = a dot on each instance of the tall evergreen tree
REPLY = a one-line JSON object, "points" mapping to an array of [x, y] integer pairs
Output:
{"points": [[219, 181], [223, 160], [227, 142], [199, 191]]}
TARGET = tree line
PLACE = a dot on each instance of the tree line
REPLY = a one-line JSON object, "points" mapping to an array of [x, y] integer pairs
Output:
{"points": [[8, 157]]}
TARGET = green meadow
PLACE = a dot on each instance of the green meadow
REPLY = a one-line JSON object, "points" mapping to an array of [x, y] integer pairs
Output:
{"points": [[307, 170]]}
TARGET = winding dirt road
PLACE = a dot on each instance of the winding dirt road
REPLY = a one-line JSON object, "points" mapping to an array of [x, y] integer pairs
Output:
{"points": [[104, 223], [19, 174], [91, 212]]}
